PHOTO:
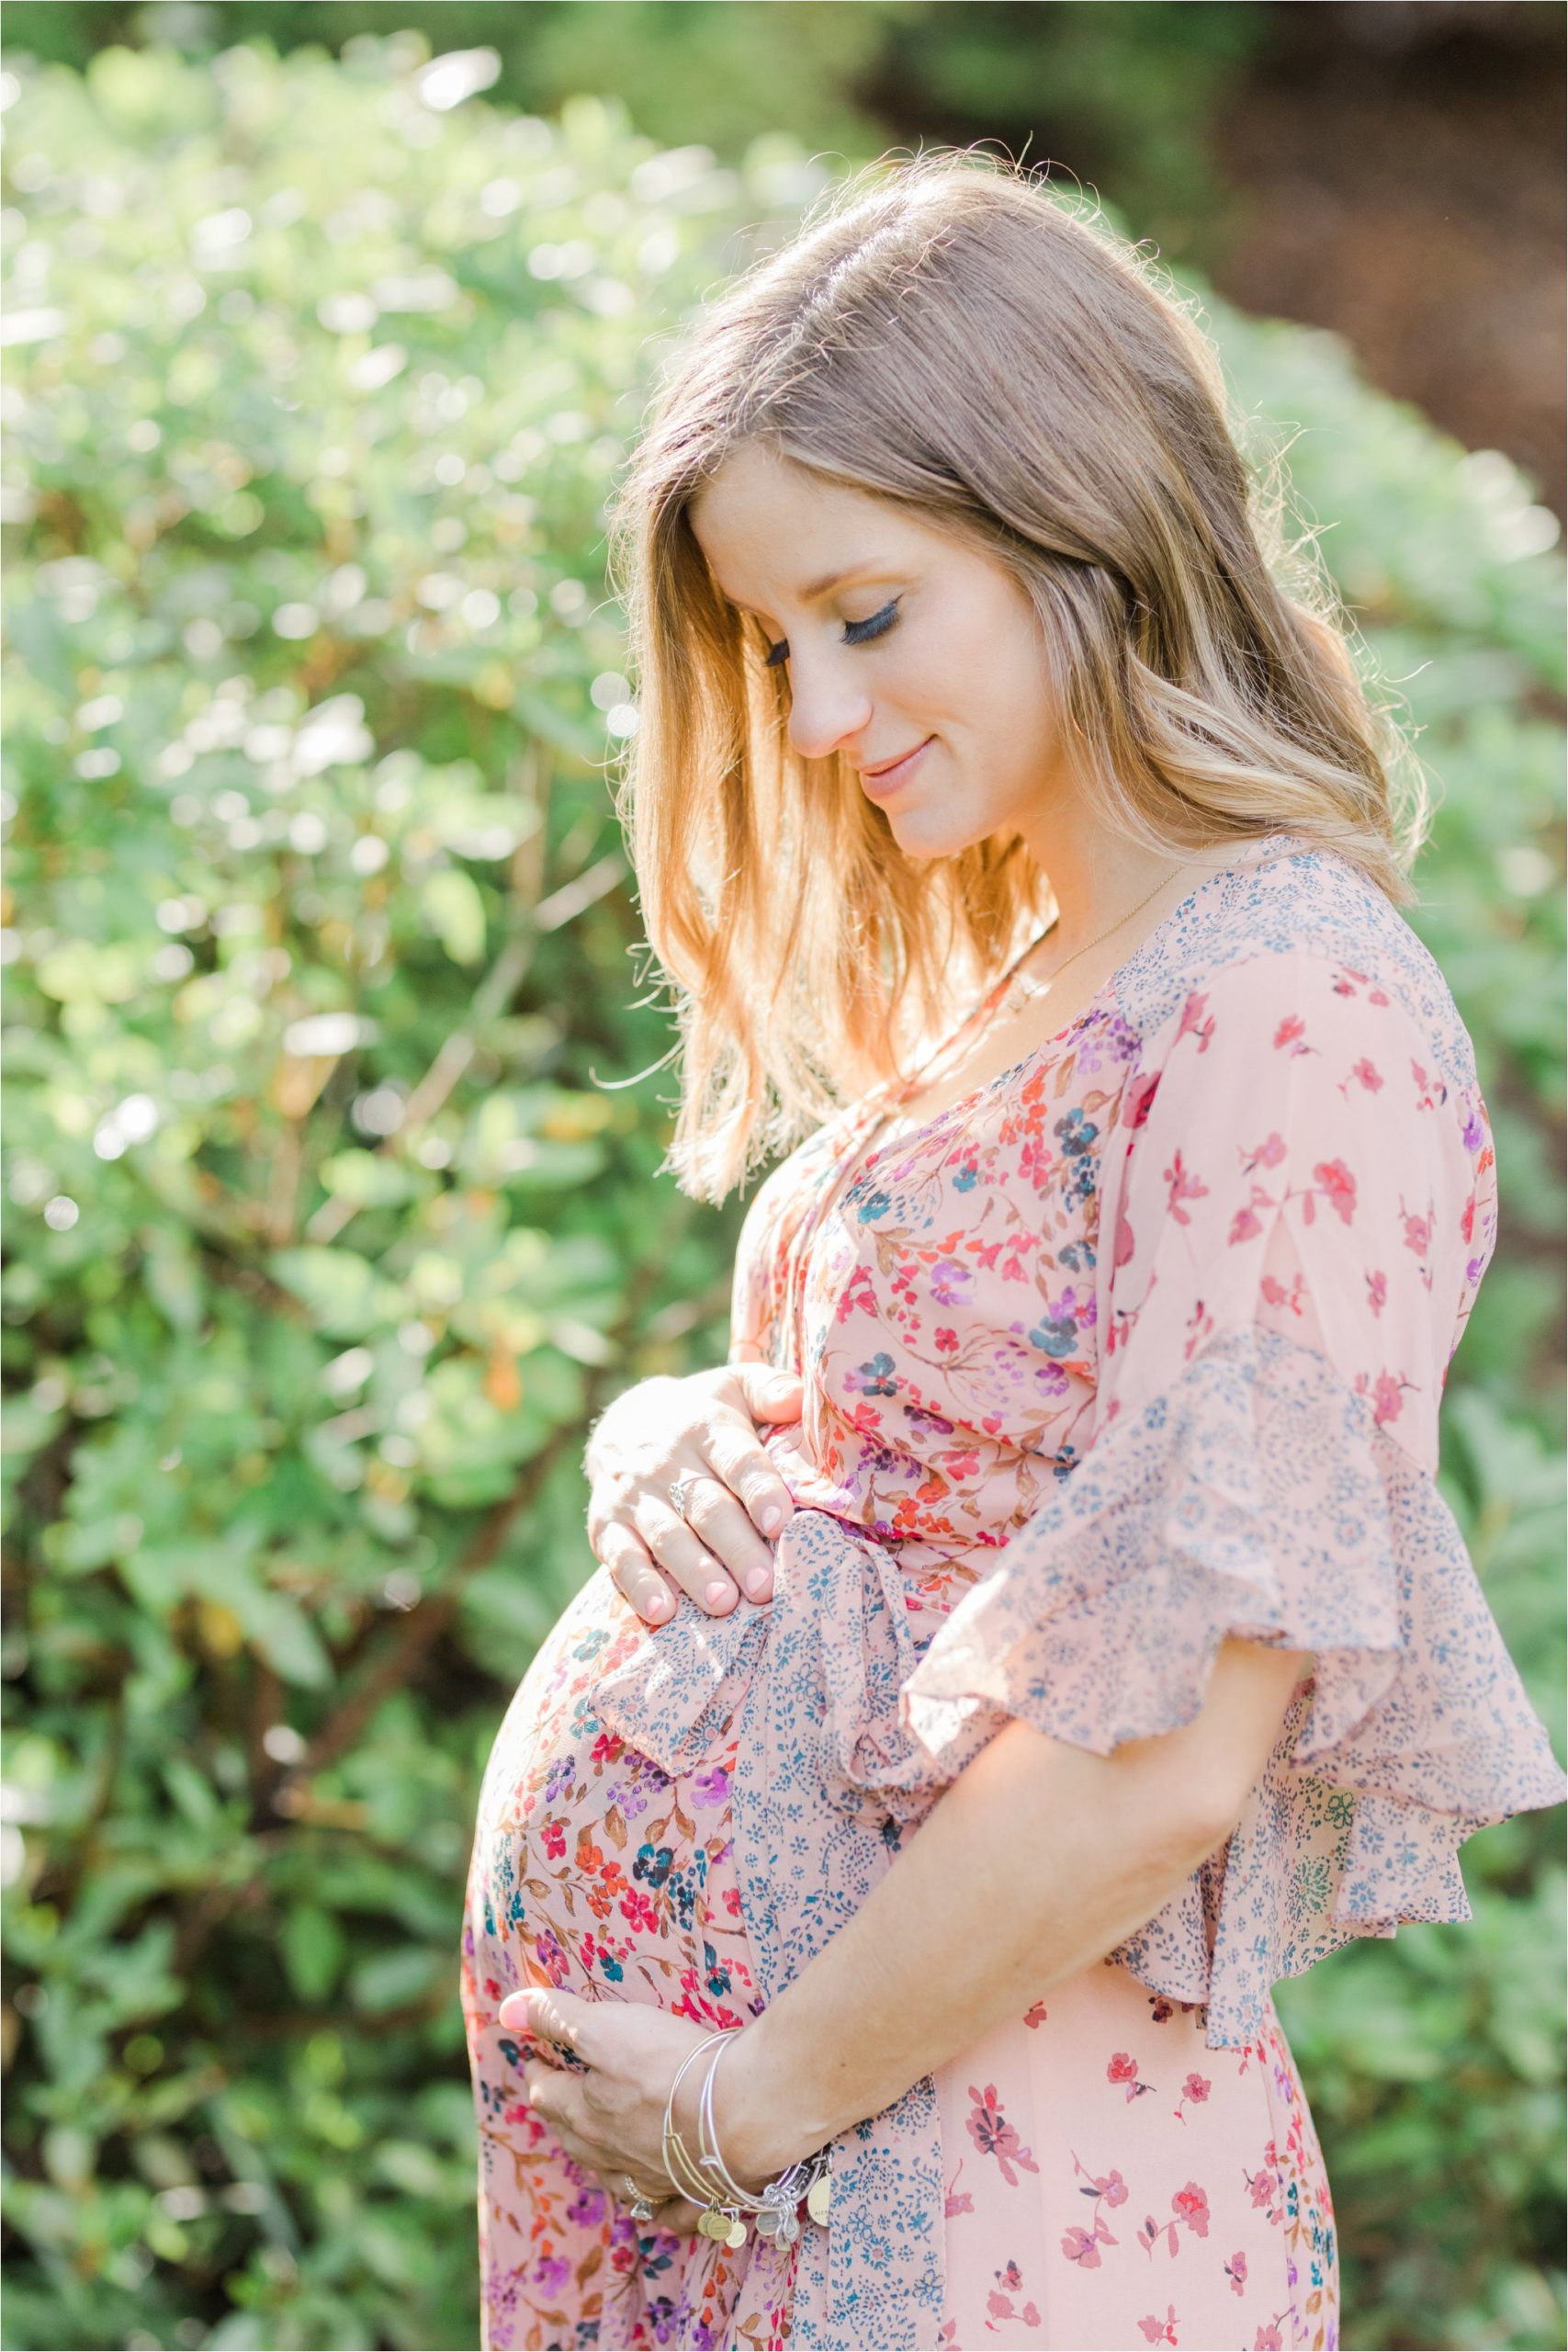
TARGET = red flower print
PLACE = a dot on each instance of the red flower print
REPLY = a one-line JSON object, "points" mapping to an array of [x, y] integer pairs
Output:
{"points": [[555, 1840], [1122, 2069], [1036, 2016], [1236, 2271], [1160, 2331], [1337, 1187], [995, 2136], [1190, 2205], [947, 1339]]}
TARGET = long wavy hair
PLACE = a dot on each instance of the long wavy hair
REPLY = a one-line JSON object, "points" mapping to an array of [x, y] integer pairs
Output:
{"points": [[949, 333]]}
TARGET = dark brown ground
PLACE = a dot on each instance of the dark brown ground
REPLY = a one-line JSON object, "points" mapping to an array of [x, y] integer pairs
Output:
{"points": [[1402, 167]]}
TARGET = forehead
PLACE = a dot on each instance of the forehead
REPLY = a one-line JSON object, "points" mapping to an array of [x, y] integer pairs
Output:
{"points": [[769, 527]]}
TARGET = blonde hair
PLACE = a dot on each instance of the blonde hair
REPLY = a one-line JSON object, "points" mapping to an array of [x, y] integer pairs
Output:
{"points": [[949, 333]]}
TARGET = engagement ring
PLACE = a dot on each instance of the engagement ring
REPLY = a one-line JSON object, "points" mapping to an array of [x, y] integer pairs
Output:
{"points": [[678, 1489]]}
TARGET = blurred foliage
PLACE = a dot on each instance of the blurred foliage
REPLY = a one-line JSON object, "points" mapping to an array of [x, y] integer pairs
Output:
{"points": [[331, 1222], [1129, 95]]}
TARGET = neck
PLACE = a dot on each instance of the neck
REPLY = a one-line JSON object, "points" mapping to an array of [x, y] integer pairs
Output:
{"points": [[1097, 876]]}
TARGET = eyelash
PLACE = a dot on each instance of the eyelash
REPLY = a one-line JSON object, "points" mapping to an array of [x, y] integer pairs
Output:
{"points": [[855, 633]]}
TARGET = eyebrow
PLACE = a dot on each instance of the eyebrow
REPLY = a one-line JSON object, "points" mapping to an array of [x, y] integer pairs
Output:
{"points": [[831, 579]]}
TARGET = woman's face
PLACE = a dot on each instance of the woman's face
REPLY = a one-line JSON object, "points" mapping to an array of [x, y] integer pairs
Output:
{"points": [[902, 646]]}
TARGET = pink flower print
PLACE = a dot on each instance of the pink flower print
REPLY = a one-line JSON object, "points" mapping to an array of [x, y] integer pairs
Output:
{"points": [[1262, 2184], [1196, 2089], [1193, 1024], [1417, 1231], [1267, 2339], [1245, 1226], [1377, 1292], [1338, 1186], [1184, 1186], [1036, 2016], [1389, 1399], [1274, 1291], [1291, 1030], [995, 2136], [1122, 2069], [1236, 2271], [1367, 1073], [639, 1911], [1191, 2206], [1268, 1154], [1000, 2302], [1082, 2247], [1160, 2331]]}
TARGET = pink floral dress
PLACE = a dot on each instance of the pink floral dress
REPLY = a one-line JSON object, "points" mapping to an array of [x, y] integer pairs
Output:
{"points": [[1137, 1347]]}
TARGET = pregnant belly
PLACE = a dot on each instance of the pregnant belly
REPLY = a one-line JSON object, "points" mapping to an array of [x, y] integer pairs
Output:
{"points": [[593, 1868]]}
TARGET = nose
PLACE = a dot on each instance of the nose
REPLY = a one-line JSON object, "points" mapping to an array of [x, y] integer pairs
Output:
{"points": [[827, 707]]}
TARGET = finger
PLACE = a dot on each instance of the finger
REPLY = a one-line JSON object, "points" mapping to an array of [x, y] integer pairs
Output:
{"points": [[554, 2096], [684, 1558], [635, 1577], [678, 2215], [551, 2014], [722, 1523], [770, 1394]]}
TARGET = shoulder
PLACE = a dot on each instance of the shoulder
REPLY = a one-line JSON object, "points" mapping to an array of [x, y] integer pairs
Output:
{"points": [[1307, 916]]}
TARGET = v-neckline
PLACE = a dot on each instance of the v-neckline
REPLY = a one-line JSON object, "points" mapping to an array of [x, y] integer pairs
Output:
{"points": [[860, 1151]]}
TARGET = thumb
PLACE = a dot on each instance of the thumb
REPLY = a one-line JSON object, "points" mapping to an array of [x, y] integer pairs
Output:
{"points": [[544, 2011], [771, 1395]]}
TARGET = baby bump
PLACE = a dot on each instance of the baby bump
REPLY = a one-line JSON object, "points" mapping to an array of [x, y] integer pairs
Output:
{"points": [[592, 1869]]}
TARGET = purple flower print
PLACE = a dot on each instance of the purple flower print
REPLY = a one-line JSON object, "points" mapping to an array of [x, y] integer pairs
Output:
{"points": [[950, 1282], [712, 1787]]}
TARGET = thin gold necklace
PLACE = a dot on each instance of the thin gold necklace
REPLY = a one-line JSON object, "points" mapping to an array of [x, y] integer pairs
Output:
{"points": [[1021, 986]]}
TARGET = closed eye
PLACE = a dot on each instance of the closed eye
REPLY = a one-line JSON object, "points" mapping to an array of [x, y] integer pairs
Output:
{"points": [[855, 633]]}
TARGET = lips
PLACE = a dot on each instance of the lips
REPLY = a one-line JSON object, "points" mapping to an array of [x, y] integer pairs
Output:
{"points": [[893, 774]]}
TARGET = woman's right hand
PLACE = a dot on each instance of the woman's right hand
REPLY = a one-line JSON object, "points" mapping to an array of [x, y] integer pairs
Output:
{"points": [[705, 1426], [701, 1426]]}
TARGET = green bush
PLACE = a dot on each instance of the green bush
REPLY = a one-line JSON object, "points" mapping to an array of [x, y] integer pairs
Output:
{"points": [[332, 1215]]}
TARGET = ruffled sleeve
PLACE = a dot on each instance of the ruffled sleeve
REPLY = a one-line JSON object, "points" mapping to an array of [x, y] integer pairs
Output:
{"points": [[1298, 1206]]}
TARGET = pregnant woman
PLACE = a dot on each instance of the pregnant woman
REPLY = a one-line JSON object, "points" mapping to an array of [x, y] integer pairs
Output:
{"points": [[1000, 807]]}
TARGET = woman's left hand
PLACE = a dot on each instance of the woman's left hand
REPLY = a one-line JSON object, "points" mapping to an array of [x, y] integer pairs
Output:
{"points": [[610, 2117]]}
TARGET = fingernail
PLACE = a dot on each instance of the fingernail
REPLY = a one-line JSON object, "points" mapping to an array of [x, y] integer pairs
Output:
{"points": [[713, 1593], [771, 1517], [657, 1604], [757, 1583]]}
